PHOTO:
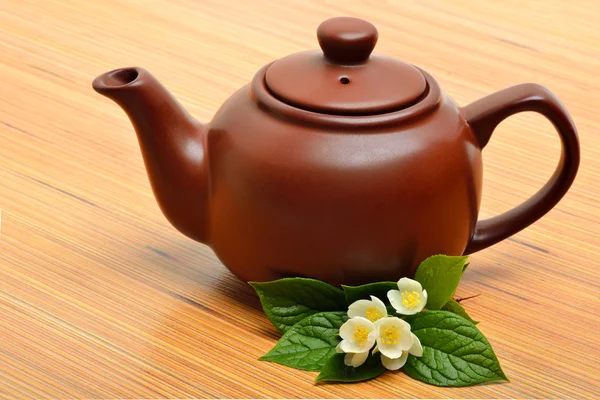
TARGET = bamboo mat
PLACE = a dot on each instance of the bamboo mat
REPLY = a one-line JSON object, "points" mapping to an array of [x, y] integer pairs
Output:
{"points": [[101, 298]]}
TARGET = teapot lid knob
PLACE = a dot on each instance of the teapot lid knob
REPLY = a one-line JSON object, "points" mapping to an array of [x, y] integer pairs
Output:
{"points": [[346, 39], [345, 78]]}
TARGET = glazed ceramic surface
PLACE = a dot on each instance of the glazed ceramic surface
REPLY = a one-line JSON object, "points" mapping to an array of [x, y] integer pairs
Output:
{"points": [[339, 164]]}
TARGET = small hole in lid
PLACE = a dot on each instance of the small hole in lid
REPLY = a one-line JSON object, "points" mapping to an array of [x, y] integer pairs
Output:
{"points": [[344, 80]]}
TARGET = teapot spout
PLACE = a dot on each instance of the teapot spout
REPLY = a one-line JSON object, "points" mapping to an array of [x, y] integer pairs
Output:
{"points": [[173, 146]]}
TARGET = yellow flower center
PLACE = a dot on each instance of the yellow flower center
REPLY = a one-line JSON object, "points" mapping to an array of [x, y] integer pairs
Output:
{"points": [[391, 335], [411, 299], [361, 335], [373, 314]]}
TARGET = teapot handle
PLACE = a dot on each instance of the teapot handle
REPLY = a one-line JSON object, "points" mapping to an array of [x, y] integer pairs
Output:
{"points": [[483, 116]]}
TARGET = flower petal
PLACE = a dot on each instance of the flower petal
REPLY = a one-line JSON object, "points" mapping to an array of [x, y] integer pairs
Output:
{"points": [[349, 346], [394, 364], [380, 306], [395, 298], [338, 348], [406, 311], [409, 285], [390, 351], [371, 340], [416, 349], [375, 350], [348, 359], [421, 306], [359, 308], [406, 339], [356, 359]]}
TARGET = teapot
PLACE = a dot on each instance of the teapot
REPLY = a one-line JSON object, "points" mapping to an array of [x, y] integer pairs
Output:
{"points": [[337, 164]]}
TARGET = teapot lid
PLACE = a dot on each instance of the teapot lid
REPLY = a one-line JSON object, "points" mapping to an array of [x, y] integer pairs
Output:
{"points": [[345, 79]]}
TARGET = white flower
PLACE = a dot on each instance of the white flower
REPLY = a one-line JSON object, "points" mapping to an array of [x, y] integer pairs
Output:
{"points": [[410, 298], [372, 310], [358, 337], [394, 364], [393, 336]]}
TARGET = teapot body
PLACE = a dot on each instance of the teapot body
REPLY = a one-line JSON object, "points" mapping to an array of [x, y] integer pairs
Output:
{"points": [[341, 165], [339, 204]]}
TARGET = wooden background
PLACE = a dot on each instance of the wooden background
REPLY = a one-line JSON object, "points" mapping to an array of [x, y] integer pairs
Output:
{"points": [[100, 297]]}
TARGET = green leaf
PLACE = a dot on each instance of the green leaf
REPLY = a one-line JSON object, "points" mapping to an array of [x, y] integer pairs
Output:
{"points": [[463, 272], [378, 289], [454, 307], [310, 343], [290, 300], [455, 352], [440, 276], [336, 371]]}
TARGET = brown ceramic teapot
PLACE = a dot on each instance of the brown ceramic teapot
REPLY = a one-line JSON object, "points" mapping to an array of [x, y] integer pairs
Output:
{"points": [[337, 164]]}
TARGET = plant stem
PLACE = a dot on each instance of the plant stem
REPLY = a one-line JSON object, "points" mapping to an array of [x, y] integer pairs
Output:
{"points": [[459, 299]]}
